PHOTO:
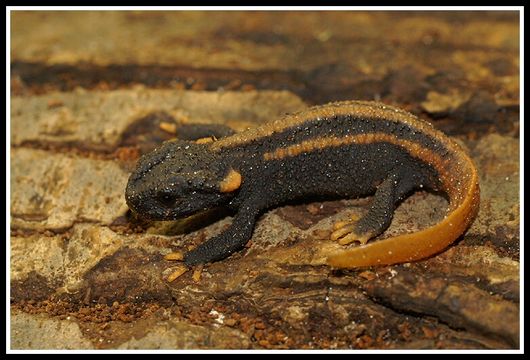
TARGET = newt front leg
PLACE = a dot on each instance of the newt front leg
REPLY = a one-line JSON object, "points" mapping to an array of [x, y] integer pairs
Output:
{"points": [[231, 240]]}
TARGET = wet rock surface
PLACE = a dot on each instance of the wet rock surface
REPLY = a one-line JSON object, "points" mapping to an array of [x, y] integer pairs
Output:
{"points": [[85, 274]]}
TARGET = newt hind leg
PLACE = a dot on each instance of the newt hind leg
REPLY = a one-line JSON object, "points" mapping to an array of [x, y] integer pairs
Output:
{"points": [[378, 218]]}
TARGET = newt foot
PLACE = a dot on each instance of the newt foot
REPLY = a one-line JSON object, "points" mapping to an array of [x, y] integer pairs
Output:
{"points": [[182, 269], [174, 256], [344, 232]]}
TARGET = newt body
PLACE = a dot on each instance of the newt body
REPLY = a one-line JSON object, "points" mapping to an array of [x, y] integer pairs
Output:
{"points": [[340, 150]]}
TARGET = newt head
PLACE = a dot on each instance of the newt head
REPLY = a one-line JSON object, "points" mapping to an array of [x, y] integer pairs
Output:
{"points": [[178, 179]]}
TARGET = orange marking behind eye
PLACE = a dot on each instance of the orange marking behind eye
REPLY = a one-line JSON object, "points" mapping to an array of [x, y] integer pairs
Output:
{"points": [[231, 182]]}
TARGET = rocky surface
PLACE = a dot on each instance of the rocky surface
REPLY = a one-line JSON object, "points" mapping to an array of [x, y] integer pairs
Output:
{"points": [[85, 274]]}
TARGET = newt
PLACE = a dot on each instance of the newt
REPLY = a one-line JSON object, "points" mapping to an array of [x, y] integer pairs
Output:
{"points": [[339, 150]]}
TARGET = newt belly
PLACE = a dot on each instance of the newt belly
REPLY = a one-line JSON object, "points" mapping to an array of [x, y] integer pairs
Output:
{"points": [[344, 149]]}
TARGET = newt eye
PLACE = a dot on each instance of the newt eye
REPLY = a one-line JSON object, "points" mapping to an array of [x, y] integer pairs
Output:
{"points": [[167, 199]]}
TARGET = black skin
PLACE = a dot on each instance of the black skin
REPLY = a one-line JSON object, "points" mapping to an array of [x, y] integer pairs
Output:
{"points": [[181, 178]]}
